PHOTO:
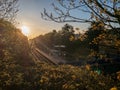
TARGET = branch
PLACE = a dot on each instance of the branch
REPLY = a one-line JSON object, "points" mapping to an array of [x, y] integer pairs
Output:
{"points": [[106, 11], [94, 7]]}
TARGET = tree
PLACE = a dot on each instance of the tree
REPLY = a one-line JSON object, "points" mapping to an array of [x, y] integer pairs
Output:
{"points": [[106, 11], [95, 35], [8, 10], [66, 32]]}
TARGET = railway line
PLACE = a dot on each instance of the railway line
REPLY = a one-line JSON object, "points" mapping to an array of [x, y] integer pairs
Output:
{"points": [[40, 57], [43, 57]]}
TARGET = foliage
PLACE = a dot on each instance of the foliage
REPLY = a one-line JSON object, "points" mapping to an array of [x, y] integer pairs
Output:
{"points": [[13, 41], [94, 36], [14, 56], [63, 77], [17, 71]]}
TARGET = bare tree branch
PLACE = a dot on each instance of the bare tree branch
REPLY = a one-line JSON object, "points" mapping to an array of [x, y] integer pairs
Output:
{"points": [[105, 11], [8, 9]]}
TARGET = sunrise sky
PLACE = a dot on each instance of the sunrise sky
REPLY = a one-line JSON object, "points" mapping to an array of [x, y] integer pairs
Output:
{"points": [[30, 15]]}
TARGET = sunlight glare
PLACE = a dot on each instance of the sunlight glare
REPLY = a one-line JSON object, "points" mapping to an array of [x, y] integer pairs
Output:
{"points": [[25, 30]]}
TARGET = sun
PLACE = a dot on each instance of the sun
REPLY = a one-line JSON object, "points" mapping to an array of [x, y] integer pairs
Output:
{"points": [[25, 30]]}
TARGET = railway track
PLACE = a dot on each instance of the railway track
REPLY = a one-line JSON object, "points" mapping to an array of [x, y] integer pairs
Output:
{"points": [[40, 57]]}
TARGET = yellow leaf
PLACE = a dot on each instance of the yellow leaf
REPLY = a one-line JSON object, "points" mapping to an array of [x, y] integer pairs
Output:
{"points": [[87, 67], [73, 77], [113, 88]]}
